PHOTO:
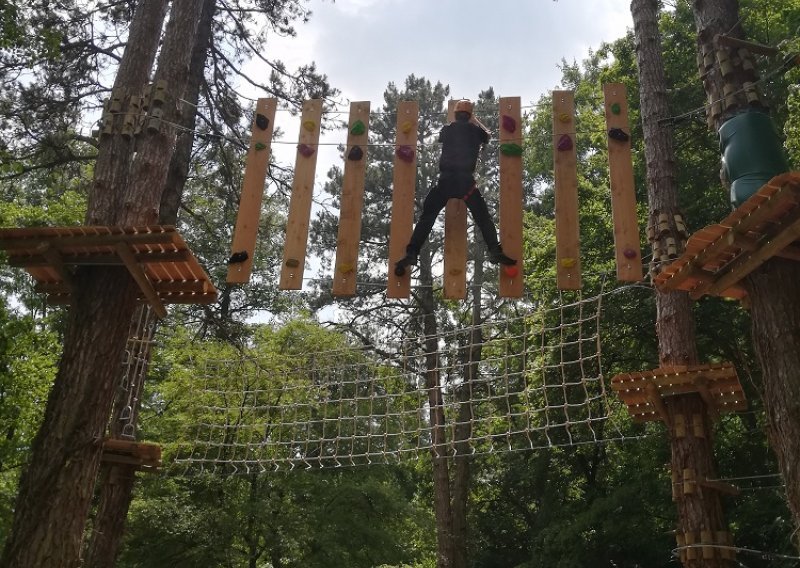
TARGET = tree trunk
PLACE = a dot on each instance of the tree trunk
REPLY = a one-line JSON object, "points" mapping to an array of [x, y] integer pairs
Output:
{"points": [[463, 430], [179, 167], [441, 475], [142, 198], [699, 512], [775, 312], [55, 490], [772, 289], [115, 153], [117, 481]]}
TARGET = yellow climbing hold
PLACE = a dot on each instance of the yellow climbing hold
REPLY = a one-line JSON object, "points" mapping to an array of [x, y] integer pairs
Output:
{"points": [[568, 262], [292, 262], [564, 117], [406, 127], [309, 125], [345, 267]]}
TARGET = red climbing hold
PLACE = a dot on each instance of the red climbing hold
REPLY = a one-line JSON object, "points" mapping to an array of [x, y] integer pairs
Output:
{"points": [[564, 143], [405, 153], [511, 270], [509, 124]]}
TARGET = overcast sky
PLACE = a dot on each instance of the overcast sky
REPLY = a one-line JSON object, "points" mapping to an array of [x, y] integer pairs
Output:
{"points": [[514, 46]]}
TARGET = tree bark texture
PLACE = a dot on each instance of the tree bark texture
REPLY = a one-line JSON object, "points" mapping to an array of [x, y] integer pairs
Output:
{"points": [[142, 198], [462, 475], [772, 289], [117, 481], [439, 458], [115, 153], [56, 488], [699, 512], [179, 166], [724, 91], [775, 313]]}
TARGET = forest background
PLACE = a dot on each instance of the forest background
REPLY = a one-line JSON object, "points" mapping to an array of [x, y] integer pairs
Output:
{"points": [[599, 505]]}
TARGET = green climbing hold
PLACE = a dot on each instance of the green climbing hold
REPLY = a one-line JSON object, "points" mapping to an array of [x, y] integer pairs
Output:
{"points": [[358, 128], [616, 109], [261, 146], [511, 149]]}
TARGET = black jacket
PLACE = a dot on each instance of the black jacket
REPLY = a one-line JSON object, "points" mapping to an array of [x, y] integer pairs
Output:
{"points": [[461, 143]]}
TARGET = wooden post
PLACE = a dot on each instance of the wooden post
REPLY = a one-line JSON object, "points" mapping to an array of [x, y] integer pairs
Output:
{"points": [[294, 252], [355, 167], [455, 240], [255, 174], [511, 203], [404, 184], [565, 165], [623, 191]]}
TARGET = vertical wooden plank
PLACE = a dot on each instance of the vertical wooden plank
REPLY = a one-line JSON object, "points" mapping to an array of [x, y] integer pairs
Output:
{"points": [[294, 251], [403, 187], [455, 240], [352, 202], [565, 165], [511, 204], [245, 231], [623, 192]]}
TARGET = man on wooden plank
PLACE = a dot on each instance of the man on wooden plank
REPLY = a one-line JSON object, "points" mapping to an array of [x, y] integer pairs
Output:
{"points": [[461, 143]]}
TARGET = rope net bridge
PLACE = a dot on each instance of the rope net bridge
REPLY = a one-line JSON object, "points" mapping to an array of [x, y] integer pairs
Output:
{"points": [[528, 382]]}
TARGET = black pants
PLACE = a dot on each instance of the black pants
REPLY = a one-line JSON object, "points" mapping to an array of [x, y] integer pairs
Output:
{"points": [[453, 185]]}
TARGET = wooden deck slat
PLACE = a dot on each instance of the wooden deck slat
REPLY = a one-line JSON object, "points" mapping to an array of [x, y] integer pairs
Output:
{"points": [[159, 252], [718, 257], [717, 383]]}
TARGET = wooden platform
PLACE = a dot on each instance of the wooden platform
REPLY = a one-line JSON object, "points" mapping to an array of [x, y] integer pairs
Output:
{"points": [[143, 456], [719, 256], [643, 392], [157, 257]]}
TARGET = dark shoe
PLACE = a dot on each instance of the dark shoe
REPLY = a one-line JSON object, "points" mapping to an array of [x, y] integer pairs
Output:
{"points": [[496, 256], [401, 265]]}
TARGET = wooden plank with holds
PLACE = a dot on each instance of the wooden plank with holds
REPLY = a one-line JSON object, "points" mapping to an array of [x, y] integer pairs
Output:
{"points": [[565, 165], [623, 192], [511, 202], [352, 202], [403, 189], [245, 233], [294, 252], [455, 240]]}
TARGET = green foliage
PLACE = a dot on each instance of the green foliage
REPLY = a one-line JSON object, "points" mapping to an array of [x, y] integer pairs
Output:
{"points": [[28, 355], [331, 517]]}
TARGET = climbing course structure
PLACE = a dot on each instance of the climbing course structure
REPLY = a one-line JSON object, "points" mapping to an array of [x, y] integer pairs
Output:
{"points": [[511, 199], [403, 186], [511, 202], [346, 264], [568, 261], [246, 231]]}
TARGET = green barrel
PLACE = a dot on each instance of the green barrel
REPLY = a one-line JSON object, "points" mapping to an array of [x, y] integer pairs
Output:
{"points": [[752, 153]]}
